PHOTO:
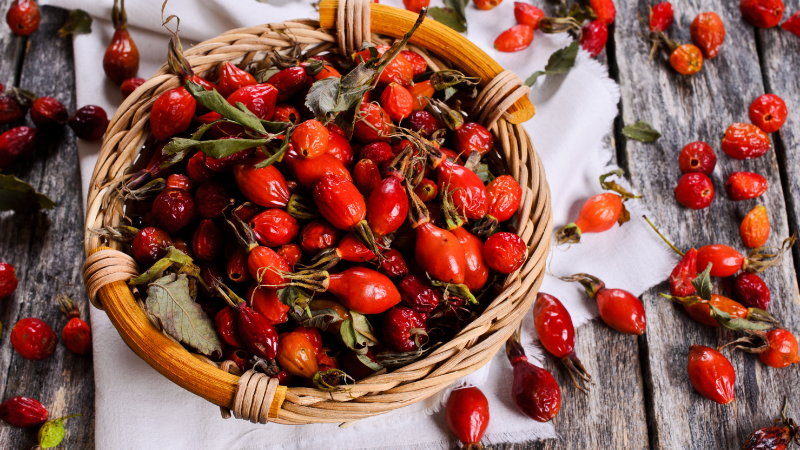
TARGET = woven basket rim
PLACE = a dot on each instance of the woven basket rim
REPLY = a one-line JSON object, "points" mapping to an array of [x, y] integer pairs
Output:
{"points": [[473, 347]]}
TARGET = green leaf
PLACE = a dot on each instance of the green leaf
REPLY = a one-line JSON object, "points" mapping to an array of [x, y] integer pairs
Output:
{"points": [[357, 333], [448, 17], [275, 127], [17, 195], [321, 98], [174, 258], [297, 300], [52, 432], [78, 22], [219, 148], [641, 131], [560, 62], [483, 172], [216, 102], [702, 283], [169, 299], [738, 324]]}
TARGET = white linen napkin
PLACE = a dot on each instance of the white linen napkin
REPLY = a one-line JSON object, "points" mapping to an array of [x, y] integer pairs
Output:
{"points": [[137, 408]]}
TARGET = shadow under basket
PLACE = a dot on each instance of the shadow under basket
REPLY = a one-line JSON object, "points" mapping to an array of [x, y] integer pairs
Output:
{"points": [[502, 105]]}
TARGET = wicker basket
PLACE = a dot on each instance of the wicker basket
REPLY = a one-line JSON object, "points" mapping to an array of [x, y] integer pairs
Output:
{"points": [[502, 105]]}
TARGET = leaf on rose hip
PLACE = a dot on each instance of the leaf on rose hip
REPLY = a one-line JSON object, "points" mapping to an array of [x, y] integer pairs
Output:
{"points": [[448, 17], [357, 333], [219, 148], [738, 324], [17, 195], [175, 258], [78, 22], [614, 186], [560, 62], [297, 300], [321, 98], [214, 101], [169, 299], [641, 131], [367, 361], [702, 283]]}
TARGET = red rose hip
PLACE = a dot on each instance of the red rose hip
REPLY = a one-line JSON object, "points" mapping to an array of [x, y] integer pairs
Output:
{"points": [[697, 157], [8, 280], [505, 252], [694, 191], [768, 112], [89, 123], [762, 13], [745, 185], [711, 374], [467, 414], [33, 339], [23, 412], [745, 141]]}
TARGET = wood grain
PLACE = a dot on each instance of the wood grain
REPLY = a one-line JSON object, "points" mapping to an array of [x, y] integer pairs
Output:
{"points": [[46, 247], [686, 109]]}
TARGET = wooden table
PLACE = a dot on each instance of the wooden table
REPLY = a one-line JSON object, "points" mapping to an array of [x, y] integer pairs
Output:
{"points": [[642, 398]]}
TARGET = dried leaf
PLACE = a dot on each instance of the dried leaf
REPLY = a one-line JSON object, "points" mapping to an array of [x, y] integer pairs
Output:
{"points": [[78, 22], [560, 62], [614, 186], [17, 195], [297, 300], [703, 283], [219, 148], [321, 98], [738, 324], [169, 299], [357, 333], [174, 259], [214, 101], [448, 17], [119, 234], [641, 131], [444, 79], [367, 361]]}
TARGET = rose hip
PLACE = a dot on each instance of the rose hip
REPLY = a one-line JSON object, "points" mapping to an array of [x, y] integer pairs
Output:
{"points": [[149, 245], [318, 235], [426, 190], [781, 351], [128, 86], [534, 390], [16, 142], [599, 213], [179, 181], [33, 339], [424, 123], [755, 227], [231, 78], [173, 209], [48, 113], [172, 113], [711, 374], [708, 33], [286, 113], [404, 329], [594, 37], [373, 123], [10, 109], [266, 302], [198, 171], [207, 241], [604, 9], [291, 253], [619, 309], [681, 277], [121, 60], [8, 280], [23, 17], [296, 354], [751, 290], [421, 92], [393, 265], [23, 412], [340, 148], [212, 199], [77, 335], [516, 38], [418, 294], [557, 335], [274, 227], [792, 24], [697, 157], [310, 139], [527, 14], [762, 13], [686, 59], [288, 82], [399, 70], [661, 17], [768, 112], [505, 252], [745, 141], [694, 191], [265, 187], [237, 266], [773, 437], [416, 60], [745, 185], [397, 102], [472, 137], [467, 416], [89, 123]]}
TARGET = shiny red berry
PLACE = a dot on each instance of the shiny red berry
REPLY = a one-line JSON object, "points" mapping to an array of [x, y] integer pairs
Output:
{"points": [[745, 185], [604, 9], [404, 329], [89, 123], [33, 339], [121, 60], [179, 181], [23, 412], [173, 209], [516, 38], [472, 137], [661, 16], [16, 142], [23, 17], [697, 157], [505, 252], [77, 336], [8, 280], [310, 139], [762, 13], [782, 351], [207, 241], [745, 141], [694, 191], [10, 109], [149, 245], [711, 374], [792, 24], [378, 152], [397, 102], [708, 33], [751, 291], [131, 84], [424, 123], [47, 112], [274, 227], [768, 112], [172, 113], [212, 199], [467, 416], [527, 14], [686, 59], [594, 37], [288, 82], [231, 78], [418, 63]]}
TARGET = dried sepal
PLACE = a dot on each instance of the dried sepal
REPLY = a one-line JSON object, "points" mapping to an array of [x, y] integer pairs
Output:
{"points": [[614, 186], [761, 258]]}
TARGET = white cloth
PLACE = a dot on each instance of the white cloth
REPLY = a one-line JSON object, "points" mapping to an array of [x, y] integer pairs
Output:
{"points": [[137, 408]]}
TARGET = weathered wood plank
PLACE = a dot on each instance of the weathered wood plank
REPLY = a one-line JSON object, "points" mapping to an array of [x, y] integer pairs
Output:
{"points": [[780, 57], [686, 109], [46, 248]]}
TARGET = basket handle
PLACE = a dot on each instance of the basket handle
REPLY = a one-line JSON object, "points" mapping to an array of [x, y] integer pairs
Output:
{"points": [[437, 38]]}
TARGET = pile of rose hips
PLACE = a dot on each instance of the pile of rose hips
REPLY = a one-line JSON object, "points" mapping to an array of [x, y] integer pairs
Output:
{"points": [[327, 251]]}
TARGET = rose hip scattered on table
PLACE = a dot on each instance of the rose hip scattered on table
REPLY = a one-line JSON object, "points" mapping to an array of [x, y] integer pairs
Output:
{"points": [[467, 415], [121, 60], [711, 374], [775, 437]]}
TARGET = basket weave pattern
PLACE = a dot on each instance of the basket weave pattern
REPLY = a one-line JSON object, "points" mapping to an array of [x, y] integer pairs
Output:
{"points": [[106, 271]]}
